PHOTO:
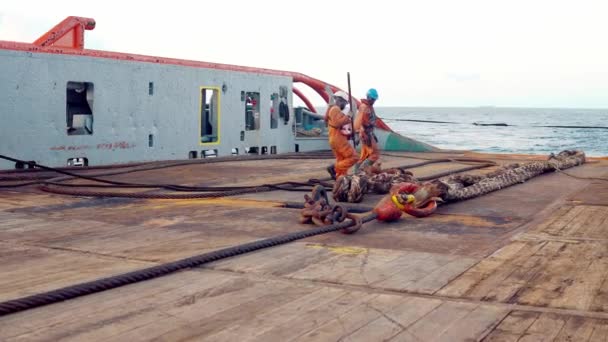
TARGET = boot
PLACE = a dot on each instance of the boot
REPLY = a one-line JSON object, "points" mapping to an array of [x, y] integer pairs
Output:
{"points": [[332, 171]]}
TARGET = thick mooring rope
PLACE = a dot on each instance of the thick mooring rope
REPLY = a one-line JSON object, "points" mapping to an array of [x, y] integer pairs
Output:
{"points": [[462, 187], [450, 187]]}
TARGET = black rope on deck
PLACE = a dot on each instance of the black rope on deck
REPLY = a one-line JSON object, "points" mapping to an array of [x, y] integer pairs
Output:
{"points": [[55, 185], [221, 191], [83, 289], [30, 174], [35, 167]]}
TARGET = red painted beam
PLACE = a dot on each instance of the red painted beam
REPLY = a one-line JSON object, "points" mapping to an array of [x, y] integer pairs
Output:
{"points": [[69, 33]]}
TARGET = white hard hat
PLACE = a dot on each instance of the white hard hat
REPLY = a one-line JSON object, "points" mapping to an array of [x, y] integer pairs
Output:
{"points": [[341, 95]]}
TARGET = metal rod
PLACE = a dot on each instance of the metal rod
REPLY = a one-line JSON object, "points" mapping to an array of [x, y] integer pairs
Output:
{"points": [[352, 112]]}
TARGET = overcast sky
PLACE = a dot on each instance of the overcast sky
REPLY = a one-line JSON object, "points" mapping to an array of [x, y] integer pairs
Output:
{"points": [[515, 53]]}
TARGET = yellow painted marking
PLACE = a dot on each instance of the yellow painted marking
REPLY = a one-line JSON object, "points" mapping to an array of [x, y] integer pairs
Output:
{"points": [[339, 249], [468, 220]]}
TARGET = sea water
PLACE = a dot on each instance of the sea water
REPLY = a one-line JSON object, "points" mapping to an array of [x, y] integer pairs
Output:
{"points": [[503, 130]]}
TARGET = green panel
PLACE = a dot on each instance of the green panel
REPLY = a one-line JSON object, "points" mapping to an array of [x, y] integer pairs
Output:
{"points": [[396, 142]]}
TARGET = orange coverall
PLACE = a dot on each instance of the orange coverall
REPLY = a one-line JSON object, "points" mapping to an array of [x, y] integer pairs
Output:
{"points": [[346, 155], [364, 125]]}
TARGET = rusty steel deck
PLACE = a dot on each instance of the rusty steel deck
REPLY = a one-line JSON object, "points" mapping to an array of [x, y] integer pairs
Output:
{"points": [[525, 263]]}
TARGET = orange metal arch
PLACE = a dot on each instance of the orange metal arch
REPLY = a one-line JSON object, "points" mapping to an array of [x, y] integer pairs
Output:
{"points": [[304, 99]]}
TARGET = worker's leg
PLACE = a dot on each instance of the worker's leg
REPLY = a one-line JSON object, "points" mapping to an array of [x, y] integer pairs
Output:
{"points": [[374, 153], [369, 155], [346, 157], [331, 169]]}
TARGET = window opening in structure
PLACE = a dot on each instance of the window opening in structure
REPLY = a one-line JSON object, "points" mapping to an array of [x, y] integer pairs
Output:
{"points": [[283, 105], [209, 153], [78, 162], [274, 111], [79, 108], [252, 111], [252, 150], [210, 115]]}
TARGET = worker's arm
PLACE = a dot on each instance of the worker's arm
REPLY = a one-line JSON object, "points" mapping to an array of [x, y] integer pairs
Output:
{"points": [[362, 118], [336, 118]]}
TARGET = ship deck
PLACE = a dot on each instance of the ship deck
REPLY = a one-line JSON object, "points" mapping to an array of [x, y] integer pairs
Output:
{"points": [[526, 263]]}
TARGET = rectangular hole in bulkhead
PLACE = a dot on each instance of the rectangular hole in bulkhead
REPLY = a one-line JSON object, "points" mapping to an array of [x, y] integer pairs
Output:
{"points": [[252, 111], [274, 110], [150, 140], [273, 150], [209, 153], [283, 104], [252, 150], [78, 162], [297, 147], [22, 165], [264, 149], [235, 151], [79, 108], [192, 155], [150, 88], [210, 115]]}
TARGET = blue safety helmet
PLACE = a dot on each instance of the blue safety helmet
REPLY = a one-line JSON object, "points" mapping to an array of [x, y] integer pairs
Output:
{"points": [[372, 94]]}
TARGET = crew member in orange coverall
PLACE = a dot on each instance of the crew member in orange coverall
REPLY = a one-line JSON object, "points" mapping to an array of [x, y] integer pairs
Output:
{"points": [[364, 126], [345, 153]]}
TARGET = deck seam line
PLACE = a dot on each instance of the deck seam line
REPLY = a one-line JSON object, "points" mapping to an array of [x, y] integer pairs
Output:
{"points": [[576, 203], [350, 287], [463, 272], [550, 238], [64, 249]]}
